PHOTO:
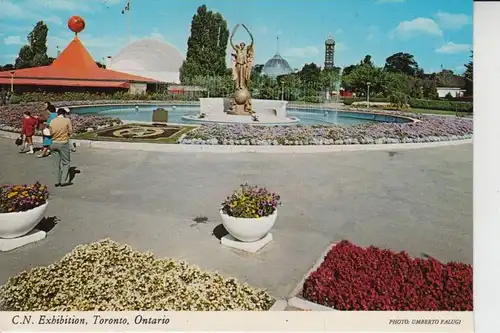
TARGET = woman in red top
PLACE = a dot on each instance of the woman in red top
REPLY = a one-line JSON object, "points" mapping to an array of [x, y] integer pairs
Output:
{"points": [[28, 130]]}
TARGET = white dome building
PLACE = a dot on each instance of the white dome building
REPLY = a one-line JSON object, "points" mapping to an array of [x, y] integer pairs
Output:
{"points": [[150, 58]]}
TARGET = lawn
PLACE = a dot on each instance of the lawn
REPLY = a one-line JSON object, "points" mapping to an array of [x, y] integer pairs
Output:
{"points": [[438, 112]]}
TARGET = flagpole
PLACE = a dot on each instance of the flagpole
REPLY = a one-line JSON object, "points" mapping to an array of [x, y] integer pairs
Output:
{"points": [[129, 23]]}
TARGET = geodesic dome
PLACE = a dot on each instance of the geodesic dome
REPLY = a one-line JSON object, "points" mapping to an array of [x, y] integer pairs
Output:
{"points": [[149, 58]]}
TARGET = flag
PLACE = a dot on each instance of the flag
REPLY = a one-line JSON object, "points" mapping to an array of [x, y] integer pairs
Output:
{"points": [[127, 8]]}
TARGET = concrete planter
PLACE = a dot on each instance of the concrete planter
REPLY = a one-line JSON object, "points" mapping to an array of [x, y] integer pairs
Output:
{"points": [[17, 224], [248, 230]]}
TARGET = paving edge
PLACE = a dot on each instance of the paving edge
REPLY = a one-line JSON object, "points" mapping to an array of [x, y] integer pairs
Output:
{"points": [[300, 303], [279, 305], [225, 149]]}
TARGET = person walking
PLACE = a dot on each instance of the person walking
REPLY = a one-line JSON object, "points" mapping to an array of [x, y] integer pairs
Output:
{"points": [[47, 135], [29, 126], [61, 130], [72, 145], [3, 97], [8, 97]]}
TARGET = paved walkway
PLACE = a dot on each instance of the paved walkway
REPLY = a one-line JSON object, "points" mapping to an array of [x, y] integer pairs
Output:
{"points": [[418, 200]]}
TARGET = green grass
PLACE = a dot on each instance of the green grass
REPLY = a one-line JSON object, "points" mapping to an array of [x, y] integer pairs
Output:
{"points": [[438, 112], [94, 136]]}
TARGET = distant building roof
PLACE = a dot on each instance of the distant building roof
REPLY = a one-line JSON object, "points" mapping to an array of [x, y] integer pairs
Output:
{"points": [[74, 67], [276, 66]]}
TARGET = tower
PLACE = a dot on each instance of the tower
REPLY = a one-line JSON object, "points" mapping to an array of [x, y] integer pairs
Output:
{"points": [[329, 52]]}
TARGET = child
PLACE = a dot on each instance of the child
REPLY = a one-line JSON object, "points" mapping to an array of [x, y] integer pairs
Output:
{"points": [[28, 130], [47, 138]]}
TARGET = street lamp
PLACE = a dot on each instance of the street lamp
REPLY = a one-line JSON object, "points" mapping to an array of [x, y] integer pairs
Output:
{"points": [[282, 90], [368, 94], [12, 82]]}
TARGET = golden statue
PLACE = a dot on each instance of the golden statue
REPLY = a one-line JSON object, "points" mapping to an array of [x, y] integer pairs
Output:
{"points": [[243, 57]]}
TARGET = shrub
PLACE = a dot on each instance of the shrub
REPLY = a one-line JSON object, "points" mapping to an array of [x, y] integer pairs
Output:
{"points": [[85, 96], [441, 105], [355, 278], [251, 202], [351, 100], [20, 198], [449, 97], [107, 276]]}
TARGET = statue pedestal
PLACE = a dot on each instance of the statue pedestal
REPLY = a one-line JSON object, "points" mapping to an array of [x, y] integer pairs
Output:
{"points": [[239, 110]]}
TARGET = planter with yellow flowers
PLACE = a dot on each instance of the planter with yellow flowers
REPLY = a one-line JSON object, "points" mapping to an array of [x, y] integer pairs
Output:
{"points": [[21, 208], [249, 213]]}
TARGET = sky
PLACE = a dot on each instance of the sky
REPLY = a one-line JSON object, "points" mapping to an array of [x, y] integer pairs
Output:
{"points": [[437, 32]]}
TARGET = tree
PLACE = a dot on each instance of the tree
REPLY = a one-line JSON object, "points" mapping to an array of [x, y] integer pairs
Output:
{"points": [[402, 63], [310, 73], [396, 83], [7, 67], [207, 45], [429, 88], [35, 52], [357, 80], [367, 60], [469, 75], [348, 69], [445, 78]]}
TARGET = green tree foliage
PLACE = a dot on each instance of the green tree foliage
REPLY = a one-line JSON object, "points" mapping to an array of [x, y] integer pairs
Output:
{"points": [[310, 73], [469, 75], [357, 80], [402, 63], [400, 76], [207, 46], [34, 54]]}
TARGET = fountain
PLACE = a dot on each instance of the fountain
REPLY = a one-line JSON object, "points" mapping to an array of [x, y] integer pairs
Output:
{"points": [[242, 108]]}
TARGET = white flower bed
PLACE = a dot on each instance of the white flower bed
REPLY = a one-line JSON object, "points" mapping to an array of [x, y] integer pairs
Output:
{"points": [[107, 276]]}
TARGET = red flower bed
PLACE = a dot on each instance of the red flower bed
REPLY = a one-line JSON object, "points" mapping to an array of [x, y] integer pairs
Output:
{"points": [[355, 278]]}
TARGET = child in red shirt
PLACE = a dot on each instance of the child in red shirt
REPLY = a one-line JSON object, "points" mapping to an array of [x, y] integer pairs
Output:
{"points": [[28, 130]]}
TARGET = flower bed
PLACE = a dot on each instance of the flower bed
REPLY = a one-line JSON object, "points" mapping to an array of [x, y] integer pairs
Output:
{"points": [[106, 276], [20, 198], [428, 129], [355, 278], [11, 118]]}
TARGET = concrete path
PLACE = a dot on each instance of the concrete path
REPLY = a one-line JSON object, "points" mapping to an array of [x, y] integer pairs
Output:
{"points": [[418, 200]]}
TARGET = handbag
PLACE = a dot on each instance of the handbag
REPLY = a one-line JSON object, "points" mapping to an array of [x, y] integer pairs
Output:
{"points": [[19, 141], [46, 132]]}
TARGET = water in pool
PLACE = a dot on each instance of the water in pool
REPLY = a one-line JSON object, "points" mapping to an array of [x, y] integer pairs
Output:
{"points": [[306, 116]]}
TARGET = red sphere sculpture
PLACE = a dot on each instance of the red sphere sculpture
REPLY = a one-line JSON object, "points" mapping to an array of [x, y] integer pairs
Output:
{"points": [[76, 24]]}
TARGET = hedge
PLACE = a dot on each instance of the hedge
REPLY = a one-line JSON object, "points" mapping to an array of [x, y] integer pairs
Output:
{"points": [[442, 105], [82, 96]]}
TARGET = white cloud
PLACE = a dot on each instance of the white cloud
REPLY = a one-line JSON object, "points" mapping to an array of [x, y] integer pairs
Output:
{"points": [[63, 5], [10, 58], [23, 11], [53, 19], [451, 48], [301, 52], [452, 21], [459, 69], [13, 40], [262, 30], [389, 1], [13, 11], [420, 25]]}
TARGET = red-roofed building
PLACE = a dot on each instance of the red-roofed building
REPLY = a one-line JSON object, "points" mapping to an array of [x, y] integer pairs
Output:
{"points": [[73, 70]]}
